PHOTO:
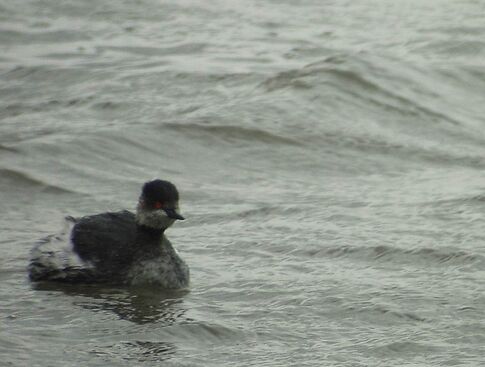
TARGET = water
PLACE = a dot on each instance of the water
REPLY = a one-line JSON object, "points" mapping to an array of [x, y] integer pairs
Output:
{"points": [[330, 158]]}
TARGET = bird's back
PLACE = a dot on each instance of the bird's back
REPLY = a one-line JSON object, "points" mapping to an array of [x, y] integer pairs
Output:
{"points": [[106, 240]]}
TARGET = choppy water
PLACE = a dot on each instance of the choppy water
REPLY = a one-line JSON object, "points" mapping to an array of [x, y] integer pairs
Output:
{"points": [[330, 157]]}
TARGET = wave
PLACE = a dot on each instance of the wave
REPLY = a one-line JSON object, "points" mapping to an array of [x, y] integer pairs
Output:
{"points": [[371, 308], [418, 256], [4, 148], [311, 75], [372, 80], [409, 349], [404, 151], [14, 178], [182, 49], [20, 108], [9, 36], [230, 133], [209, 332]]}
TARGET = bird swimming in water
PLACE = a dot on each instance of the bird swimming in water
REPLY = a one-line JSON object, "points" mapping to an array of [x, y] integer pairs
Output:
{"points": [[118, 247]]}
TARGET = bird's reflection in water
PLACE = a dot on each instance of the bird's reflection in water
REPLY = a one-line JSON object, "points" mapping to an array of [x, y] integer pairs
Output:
{"points": [[141, 351], [138, 305]]}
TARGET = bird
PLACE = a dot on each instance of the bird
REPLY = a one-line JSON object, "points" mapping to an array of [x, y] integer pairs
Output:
{"points": [[121, 248]]}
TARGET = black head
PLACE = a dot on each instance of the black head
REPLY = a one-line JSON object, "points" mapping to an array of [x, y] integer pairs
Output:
{"points": [[159, 191], [160, 195]]}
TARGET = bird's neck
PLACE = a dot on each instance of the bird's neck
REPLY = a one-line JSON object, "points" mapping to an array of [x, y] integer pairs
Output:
{"points": [[148, 237]]}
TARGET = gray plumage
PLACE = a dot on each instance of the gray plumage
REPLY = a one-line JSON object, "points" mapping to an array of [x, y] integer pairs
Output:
{"points": [[118, 247]]}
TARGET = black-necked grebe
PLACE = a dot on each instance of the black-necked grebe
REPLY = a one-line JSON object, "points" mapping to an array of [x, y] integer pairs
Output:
{"points": [[118, 247]]}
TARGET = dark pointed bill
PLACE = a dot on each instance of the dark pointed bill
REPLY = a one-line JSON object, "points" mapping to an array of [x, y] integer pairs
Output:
{"points": [[172, 213]]}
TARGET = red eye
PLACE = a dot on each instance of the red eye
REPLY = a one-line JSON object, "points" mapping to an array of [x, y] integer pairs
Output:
{"points": [[158, 205]]}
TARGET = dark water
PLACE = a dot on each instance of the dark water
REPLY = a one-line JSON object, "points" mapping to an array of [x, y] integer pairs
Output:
{"points": [[330, 157]]}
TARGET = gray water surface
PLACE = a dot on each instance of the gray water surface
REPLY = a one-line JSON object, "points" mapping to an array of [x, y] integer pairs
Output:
{"points": [[330, 158]]}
